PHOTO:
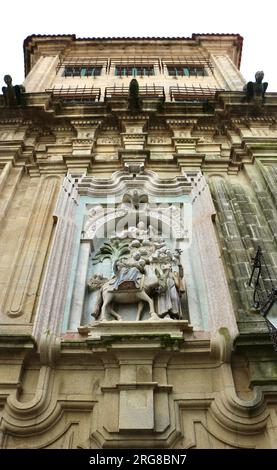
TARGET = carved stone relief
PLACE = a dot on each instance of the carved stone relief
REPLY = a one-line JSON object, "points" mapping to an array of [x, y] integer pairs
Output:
{"points": [[146, 280], [144, 270]]}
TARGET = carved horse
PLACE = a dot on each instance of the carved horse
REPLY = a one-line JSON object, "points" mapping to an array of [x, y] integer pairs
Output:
{"points": [[126, 293]]}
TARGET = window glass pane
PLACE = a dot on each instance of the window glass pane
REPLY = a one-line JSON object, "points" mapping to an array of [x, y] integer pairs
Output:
{"points": [[132, 70], [186, 70], [171, 71], [80, 71], [67, 72], [76, 71]]}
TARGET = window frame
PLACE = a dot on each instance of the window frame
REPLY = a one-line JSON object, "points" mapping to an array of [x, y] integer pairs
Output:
{"points": [[82, 71], [134, 70], [186, 70]]}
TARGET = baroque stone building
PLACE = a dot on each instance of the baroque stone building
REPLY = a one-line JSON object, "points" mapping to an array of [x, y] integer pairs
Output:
{"points": [[137, 180]]}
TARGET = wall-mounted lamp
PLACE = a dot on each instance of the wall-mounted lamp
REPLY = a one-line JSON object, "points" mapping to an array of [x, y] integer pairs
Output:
{"points": [[265, 294]]}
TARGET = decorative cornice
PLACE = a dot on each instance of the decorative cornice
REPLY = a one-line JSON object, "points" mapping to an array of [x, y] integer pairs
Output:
{"points": [[120, 182], [86, 122], [181, 122]]}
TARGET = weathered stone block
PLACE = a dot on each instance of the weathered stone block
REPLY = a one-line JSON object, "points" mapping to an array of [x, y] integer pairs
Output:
{"points": [[136, 410]]}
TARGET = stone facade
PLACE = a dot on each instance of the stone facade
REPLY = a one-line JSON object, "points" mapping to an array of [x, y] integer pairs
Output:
{"points": [[196, 163]]}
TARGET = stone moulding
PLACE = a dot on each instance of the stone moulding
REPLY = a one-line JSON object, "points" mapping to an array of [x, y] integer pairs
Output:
{"points": [[23, 280], [52, 300], [244, 417], [13, 423], [33, 408], [5, 173], [54, 440], [120, 181], [231, 430]]}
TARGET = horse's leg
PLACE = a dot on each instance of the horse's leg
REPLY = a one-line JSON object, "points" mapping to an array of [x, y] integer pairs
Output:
{"points": [[139, 311], [103, 314], [115, 315], [143, 296], [104, 310], [98, 305]]}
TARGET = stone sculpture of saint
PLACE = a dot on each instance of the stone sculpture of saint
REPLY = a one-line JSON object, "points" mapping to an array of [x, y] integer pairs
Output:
{"points": [[171, 288]]}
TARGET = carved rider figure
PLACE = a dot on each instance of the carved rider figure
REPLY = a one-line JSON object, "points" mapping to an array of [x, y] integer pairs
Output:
{"points": [[129, 272]]}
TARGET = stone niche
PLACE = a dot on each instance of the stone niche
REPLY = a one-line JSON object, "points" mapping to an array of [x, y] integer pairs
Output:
{"points": [[133, 249], [129, 263]]}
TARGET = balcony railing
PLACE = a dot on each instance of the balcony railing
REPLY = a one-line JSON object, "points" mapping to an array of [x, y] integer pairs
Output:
{"points": [[147, 91], [75, 94], [192, 93]]}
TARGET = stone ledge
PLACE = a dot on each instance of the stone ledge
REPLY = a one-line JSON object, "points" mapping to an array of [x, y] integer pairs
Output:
{"points": [[138, 385], [17, 341], [173, 329]]}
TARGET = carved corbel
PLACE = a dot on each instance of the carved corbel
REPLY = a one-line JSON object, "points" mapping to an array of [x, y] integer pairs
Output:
{"points": [[222, 345], [134, 161], [50, 348]]}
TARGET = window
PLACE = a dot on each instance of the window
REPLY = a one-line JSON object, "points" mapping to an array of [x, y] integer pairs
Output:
{"points": [[134, 70], [186, 71], [79, 71]]}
